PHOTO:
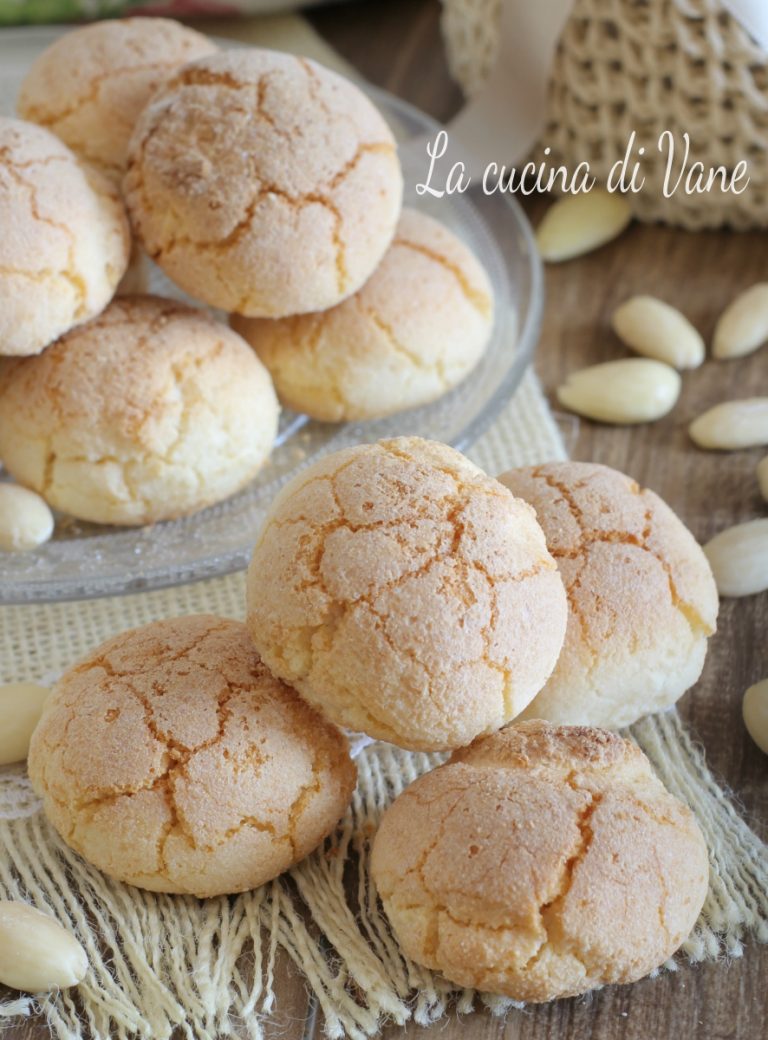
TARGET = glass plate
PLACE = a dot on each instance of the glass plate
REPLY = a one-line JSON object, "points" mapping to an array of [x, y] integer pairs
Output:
{"points": [[85, 560]]}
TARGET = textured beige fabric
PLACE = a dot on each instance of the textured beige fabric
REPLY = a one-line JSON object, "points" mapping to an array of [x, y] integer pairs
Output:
{"points": [[645, 66], [160, 962]]}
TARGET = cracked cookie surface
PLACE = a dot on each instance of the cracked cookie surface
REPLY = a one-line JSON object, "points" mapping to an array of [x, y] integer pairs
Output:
{"points": [[417, 327], [642, 600], [170, 758], [541, 862], [65, 241], [151, 411], [406, 594], [90, 86], [263, 183]]}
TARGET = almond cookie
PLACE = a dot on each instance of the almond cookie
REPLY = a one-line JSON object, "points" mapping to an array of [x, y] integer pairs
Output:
{"points": [[263, 183], [541, 862], [91, 84], [231, 778], [642, 599], [149, 412], [417, 327], [65, 241], [406, 594]]}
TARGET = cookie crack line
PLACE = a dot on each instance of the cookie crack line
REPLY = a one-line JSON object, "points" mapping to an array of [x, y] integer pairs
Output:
{"points": [[478, 299], [548, 912], [590, 536]]}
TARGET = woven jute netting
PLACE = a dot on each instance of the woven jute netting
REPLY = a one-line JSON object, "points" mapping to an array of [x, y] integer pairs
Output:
{"points": [[645, 66]]}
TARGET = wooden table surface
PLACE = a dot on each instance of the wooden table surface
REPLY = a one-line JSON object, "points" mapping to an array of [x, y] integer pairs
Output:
{"points": [[396, 44]]}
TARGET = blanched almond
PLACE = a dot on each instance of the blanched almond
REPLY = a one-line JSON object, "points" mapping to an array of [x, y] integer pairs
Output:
{"points": [[633, 390], [755, 710], [653, 328], [25, 519], [577, 224], [732, 425], [21, 705], [36, 953], [738, 557], [762, 477], [743, 325]]}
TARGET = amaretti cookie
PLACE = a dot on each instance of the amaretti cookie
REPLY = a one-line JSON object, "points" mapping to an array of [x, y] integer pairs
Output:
{"points": [[642, 599], [263, 183], [417, 327], [406, 594], [541, 862], [65, 240], [151, 411], [171, 759], [91, 84]]}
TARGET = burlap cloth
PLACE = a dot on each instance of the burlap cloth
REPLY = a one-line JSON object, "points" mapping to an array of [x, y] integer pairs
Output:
{"points": [[206, 968]]}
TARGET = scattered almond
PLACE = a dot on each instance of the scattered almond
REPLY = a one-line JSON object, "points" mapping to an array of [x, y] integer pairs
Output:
{"points": [[657, 330], [21, 705], [743, 325], [762, 477], [755, 711], [577, 224], [25, 519], [36, 953], [633, 390], [732, 425], [738, 557]]}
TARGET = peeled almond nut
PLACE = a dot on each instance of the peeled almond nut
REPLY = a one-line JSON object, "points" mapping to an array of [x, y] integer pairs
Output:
{"points": [[732, 425], [762, 477], [653, 328], [21, 705], [577, 224], [36, 953], [738, 557], [755, 711], [634, 390], [743, 325], [25, 519]]}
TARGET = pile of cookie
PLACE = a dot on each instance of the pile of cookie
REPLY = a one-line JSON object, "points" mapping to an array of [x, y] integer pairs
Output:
{"points": [[397, 590], [264, 186]]}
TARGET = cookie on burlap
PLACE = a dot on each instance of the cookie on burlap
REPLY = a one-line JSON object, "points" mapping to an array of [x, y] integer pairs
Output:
{"points": [[170, 758], [642, 599], [541, 862], [406, 594]]}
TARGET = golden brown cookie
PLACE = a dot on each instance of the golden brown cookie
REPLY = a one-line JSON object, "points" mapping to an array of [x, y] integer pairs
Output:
{"points": [[541, 862], [417, 327], [263, 183], [171, 759], [406, 594], [90, 86], [642, 599], [65, 240], [149, 412]]}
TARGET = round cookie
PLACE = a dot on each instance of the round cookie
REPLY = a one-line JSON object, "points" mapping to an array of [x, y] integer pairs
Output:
{"points": [[541, 862], [642, 599], [90, 86], [151, 411], [65, 241], [231, 778], [406, 594], [417, 327], [263, 183]]}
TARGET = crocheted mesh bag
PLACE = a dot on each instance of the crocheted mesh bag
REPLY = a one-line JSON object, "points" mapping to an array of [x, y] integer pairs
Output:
{"points": [[645, 66]]}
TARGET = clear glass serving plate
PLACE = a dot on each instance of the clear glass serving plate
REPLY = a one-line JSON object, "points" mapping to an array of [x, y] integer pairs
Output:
{"points": [[85, 560]]}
